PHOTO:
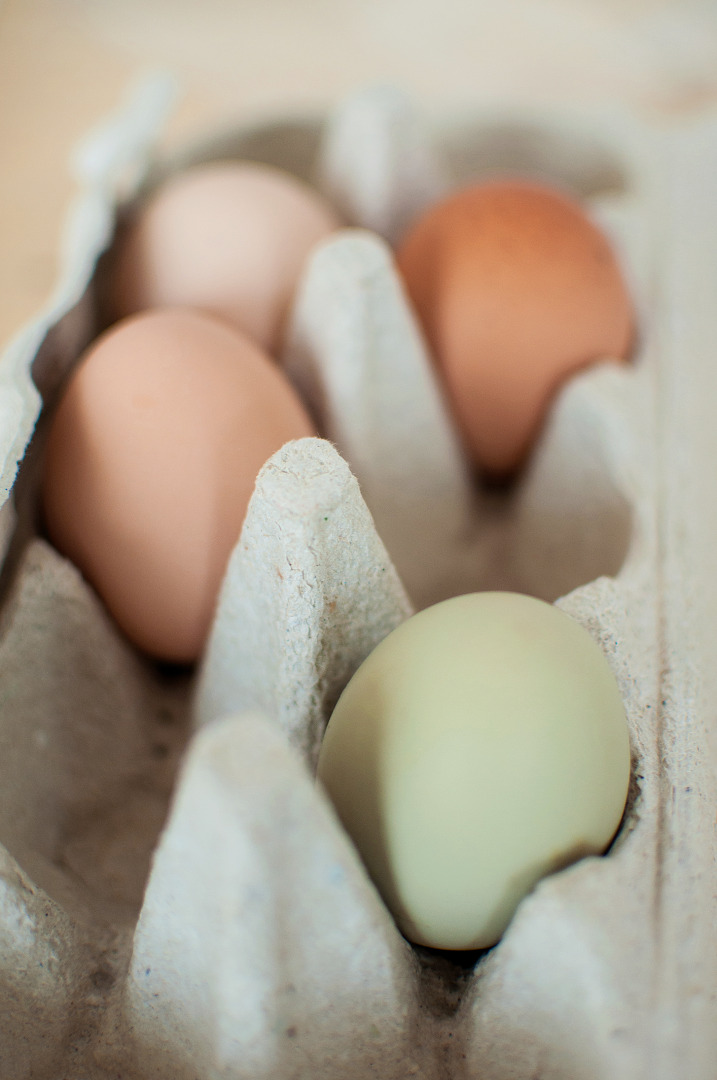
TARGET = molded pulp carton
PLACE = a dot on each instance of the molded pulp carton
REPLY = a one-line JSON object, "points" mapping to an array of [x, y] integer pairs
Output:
{"points": [[177, 898]]}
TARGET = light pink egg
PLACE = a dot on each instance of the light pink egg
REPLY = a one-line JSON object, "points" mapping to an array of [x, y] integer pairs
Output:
{"points": [[229, 238]]}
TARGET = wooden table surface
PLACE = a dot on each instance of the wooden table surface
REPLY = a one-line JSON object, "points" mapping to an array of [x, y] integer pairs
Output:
{"points": [[65, 63]]}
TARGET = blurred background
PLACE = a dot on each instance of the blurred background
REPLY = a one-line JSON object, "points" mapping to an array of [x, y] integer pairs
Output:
{"points": [[65, 63]]}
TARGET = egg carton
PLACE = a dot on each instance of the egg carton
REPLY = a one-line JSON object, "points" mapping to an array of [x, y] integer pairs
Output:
{"points": [[177, 897]]}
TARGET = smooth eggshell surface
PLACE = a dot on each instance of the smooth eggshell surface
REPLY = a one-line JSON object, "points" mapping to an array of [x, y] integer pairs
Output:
{"points": [[150, 464], [229, 238], [481, 745], [516, 289]]}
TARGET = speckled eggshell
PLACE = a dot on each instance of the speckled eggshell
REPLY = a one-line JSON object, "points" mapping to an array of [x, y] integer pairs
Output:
{"points": [[229, 238], [481, 745], [516, 289], [150, 464]]}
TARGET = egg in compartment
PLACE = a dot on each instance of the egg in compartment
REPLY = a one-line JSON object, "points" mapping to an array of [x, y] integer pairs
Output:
{"points": [[481, 745], [151, 461], [229, 238], [516, 290]]}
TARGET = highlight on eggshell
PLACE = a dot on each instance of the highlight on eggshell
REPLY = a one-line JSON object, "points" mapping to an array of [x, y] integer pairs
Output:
{"points": [[150, 464], [480, 746], [229, 238], [516, 290]]}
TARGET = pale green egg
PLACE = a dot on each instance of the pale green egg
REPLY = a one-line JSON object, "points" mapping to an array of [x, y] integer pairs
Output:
{"points": [[480, 746]]}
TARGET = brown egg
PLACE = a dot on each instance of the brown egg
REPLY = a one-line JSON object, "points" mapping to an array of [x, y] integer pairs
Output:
{"points": [[150, 464], [516, 289], [229, 238]]}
